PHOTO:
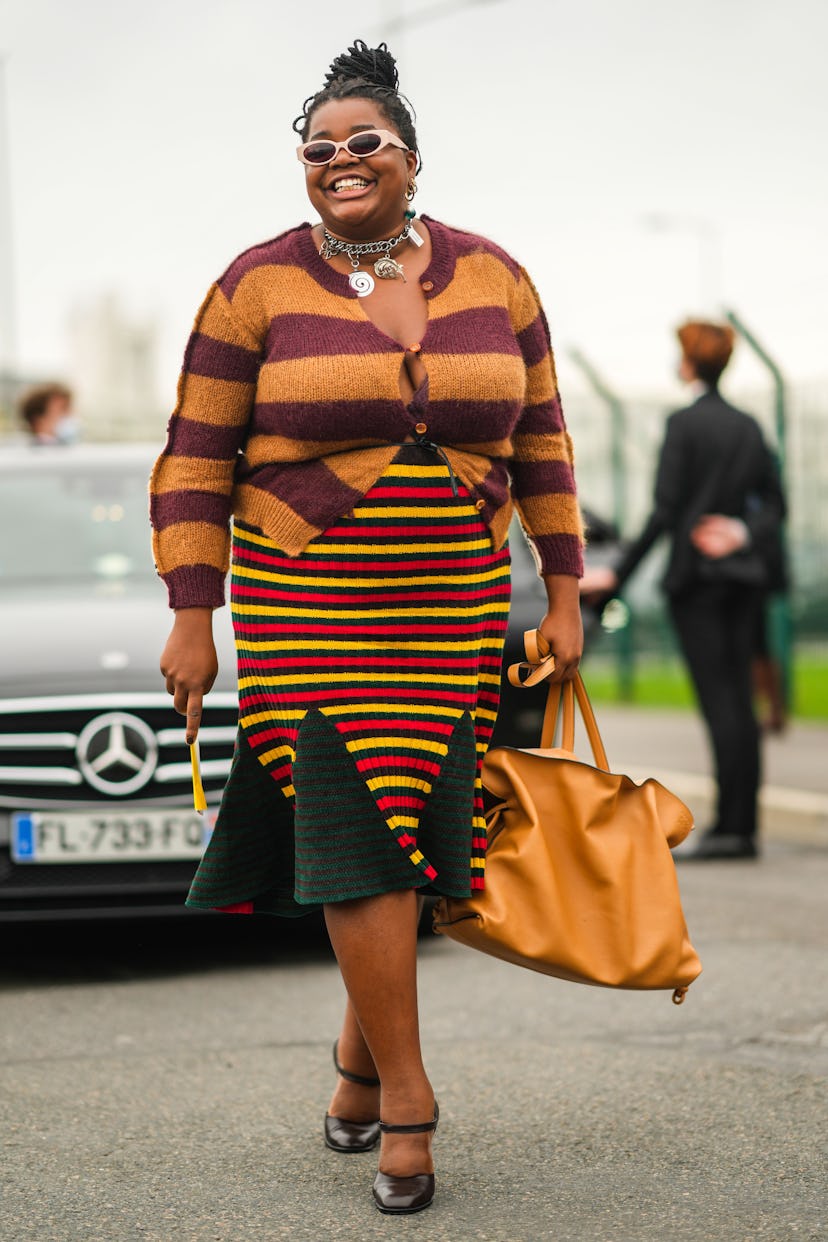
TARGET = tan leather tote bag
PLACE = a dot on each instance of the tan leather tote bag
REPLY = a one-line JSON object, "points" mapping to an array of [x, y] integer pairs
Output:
{"points": [[580, 882]]}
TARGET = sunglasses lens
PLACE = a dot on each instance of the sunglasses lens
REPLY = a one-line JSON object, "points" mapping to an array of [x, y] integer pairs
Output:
{"points": [[319, 152], [364, 144]]}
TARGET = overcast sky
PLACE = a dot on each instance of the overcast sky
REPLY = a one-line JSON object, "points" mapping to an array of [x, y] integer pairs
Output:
{"points": [[151, 141]]}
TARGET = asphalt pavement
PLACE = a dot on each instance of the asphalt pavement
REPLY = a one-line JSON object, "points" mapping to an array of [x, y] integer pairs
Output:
{"points": [[166, 1081], [672, 747]]}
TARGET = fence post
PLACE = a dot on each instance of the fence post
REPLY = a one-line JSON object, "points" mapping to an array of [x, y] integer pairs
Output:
{"points": [[780, 607], [618, 467]]}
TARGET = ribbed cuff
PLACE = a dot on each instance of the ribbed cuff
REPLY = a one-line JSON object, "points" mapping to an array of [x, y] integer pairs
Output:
{"points": [[195, 586], [559, 554]]}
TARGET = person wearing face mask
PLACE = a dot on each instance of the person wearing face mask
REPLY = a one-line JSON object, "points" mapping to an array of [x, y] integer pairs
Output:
{"points": [[369, 397], [718, 497], [46, 413]]}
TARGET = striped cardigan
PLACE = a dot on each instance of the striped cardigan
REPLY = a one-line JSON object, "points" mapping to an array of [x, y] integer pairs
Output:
{"points": [[289, 407]]}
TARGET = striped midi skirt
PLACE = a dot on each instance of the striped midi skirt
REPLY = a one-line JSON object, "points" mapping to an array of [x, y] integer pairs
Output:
{"points": [[369, 678]]}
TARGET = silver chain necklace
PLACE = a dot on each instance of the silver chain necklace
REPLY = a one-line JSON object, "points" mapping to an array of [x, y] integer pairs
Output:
{"points": [[385, 267]]}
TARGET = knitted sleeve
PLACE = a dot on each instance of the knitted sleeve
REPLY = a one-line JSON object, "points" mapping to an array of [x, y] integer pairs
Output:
{"points": [[192, 481], [543, 482]]}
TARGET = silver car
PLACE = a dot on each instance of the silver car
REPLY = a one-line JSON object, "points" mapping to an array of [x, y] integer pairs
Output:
{"points": [[96, 805]]}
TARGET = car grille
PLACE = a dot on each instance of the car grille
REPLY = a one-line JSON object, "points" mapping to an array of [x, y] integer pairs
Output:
{"points": [[85, 750]]}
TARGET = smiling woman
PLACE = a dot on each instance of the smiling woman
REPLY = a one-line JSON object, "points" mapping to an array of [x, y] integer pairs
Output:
{"points": [[368, 398]]}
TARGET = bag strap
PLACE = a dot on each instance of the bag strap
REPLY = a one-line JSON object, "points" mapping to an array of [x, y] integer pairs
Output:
{"points": [[541, 663], [561, 693]]}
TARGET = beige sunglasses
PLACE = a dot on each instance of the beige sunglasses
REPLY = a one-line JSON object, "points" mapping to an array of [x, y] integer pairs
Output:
{"points": [[366, 142]]}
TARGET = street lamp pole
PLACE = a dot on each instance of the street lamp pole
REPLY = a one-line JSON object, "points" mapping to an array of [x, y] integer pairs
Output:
{"points": [[394, 24], [396, 21], [400, 20], [8, 342], [8, 335]]}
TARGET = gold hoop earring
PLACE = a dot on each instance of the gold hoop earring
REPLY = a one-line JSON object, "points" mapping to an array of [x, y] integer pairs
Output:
{"points": [[411, 189]]}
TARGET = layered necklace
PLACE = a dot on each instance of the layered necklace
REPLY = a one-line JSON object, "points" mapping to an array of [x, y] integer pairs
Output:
{"points": [[385, 267]]}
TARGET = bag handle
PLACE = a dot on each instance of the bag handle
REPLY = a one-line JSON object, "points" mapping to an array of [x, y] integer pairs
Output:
{"points": [[541, 663]]}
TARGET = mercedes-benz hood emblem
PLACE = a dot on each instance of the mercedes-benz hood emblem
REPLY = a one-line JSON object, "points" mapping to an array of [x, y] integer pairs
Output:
{"points": [[117, 753]]}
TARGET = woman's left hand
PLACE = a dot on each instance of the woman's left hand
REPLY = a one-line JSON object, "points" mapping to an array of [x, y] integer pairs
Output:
{"points": [[562, 626]]}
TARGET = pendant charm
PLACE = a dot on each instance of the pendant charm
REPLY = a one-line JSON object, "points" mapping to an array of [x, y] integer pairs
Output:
{"points": [[362, 283], [414, 236], [388, 269]]}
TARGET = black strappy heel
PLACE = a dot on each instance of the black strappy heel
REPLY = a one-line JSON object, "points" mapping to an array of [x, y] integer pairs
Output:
{"points": [[351, 1136], [399, 1196]]}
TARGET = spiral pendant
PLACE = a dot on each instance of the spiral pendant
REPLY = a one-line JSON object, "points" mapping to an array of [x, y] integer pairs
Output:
{"points": [[362, 283]]}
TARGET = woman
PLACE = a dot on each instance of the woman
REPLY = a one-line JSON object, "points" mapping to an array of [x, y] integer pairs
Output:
{"points": [[351, 394]]}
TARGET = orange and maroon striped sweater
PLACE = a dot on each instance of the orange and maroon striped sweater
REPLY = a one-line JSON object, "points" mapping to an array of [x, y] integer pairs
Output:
{"points": [[289, 407]]}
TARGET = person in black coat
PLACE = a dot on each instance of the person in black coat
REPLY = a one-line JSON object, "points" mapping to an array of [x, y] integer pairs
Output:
{"points": [[718, 496]]}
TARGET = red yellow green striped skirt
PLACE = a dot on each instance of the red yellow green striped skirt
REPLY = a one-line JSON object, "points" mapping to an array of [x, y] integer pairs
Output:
{"points": [[369, 679]]}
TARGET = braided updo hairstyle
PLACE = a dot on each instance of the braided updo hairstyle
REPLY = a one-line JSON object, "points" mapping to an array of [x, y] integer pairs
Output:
{"points": [[365, 73]]}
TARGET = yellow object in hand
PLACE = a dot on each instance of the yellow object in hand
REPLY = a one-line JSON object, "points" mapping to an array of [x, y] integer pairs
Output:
{"points": [[199, 801]]}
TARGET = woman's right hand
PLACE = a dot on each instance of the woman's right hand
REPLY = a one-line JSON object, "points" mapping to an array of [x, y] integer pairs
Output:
{"points": [[189, 664]]}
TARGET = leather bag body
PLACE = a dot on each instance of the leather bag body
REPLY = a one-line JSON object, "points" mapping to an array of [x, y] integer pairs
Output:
{"points": [[580, 882]]}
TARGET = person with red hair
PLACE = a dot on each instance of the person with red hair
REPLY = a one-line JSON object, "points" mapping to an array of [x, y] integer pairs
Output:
{"points": [[719, 498]]}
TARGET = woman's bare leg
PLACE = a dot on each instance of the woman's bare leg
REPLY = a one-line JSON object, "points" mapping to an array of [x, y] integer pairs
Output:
{"points": [[375, 942], [351, 1100]]}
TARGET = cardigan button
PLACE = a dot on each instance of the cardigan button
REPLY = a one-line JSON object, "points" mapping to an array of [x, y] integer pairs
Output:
{"points": [[479, 505], [421, 428], [415, 348], [428, 285]]}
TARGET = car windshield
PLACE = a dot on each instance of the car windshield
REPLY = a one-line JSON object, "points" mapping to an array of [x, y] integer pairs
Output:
{"points": [[87, 525]]}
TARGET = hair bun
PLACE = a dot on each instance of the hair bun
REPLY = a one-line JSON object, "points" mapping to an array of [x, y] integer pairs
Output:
{"points": [[365, 73], [375, 65]]}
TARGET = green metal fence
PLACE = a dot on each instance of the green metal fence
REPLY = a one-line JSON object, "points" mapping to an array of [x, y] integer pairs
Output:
{"points": [[804, 424]]}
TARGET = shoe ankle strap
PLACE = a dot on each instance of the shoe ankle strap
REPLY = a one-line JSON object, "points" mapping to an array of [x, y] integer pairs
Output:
{"points": [[424, 1127], [359, 1080]]}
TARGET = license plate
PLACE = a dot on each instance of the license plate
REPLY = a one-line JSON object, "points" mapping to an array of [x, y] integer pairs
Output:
{"points": [[84, 837]]}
